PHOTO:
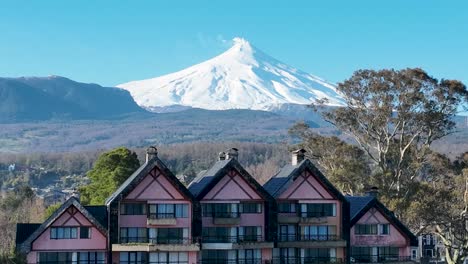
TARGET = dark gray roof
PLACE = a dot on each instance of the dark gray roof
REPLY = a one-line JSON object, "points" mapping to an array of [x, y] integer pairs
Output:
{"points": [[99, 212], [204, 178], [283, 179], [357, 204], [23, 231], [275, 184], [203, 183], [72, 201]]}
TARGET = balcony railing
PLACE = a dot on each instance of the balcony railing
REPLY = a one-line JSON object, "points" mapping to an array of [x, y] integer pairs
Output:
{"points": [[161, 215], [158, 240], [232, 239], [306, 260], [379, 258], [73, 262], [298, 237], [225, 214], [313, 214], [229, 261]]}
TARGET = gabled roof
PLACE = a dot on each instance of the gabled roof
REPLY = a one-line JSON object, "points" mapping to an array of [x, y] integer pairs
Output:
{"points": [[286, 176], [361, 204], [72, 201], [23, 231], [204, 182], [141, 173], [99, 212]]}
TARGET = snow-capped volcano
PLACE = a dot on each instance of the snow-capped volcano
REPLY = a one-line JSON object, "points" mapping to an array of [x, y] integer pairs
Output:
{"points": [[243, 77]]}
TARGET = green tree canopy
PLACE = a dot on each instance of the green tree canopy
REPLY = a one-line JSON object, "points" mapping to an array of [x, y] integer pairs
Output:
{"points": [[109, 171], [345, 165]]}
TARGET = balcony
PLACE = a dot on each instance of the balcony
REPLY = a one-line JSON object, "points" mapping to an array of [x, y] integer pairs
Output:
{"points": [[306, 241], [306, 260], [231, 261], [235, 242], [156, 244], [226, 218], [380, 259], [162, 219]]}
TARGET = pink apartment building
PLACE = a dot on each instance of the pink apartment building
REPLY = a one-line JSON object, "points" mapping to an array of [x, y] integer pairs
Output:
{"points": [[237, 214], [153, 218], [377, 235], [313, 216], [73, 234], [224, 217]]}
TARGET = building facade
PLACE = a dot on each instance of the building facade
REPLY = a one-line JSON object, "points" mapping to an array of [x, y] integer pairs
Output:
{"points": [[236, 214], [313, 216], [377, 235], [223, 217]]}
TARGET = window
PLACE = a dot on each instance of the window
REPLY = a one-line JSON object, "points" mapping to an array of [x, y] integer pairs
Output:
{"points": [[63, 232], [71, 257], [287, 207], [168, 258], [249, 233], [158, 211], [362, 254], [133, 235], [251, 208], [414, 254], [365, 229], [314, 255], [132, 257], [133, 209], [249, 256], [92, 257], [384, 229], [318, 232], [318, 210], [388, 253], [224, 210], [288, 233], [85, 232], [219, 234], [168, 235], [217, 256]]}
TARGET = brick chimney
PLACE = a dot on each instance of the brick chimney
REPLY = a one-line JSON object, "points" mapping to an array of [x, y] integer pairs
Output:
{"points": [[297, 156], [232, 153], [151, 152]]}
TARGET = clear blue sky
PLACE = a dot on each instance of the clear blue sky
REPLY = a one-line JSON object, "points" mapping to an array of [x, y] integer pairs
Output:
{"points": [[111, 42]]}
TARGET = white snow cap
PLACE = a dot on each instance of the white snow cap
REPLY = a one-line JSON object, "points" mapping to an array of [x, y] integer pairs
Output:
{"points": [[243, 77]]}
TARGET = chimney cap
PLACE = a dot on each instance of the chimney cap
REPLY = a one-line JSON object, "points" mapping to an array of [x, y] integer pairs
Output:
{"points": [[232, 153], [152, 150], [373, 191], [299, 151], [222, 155]]}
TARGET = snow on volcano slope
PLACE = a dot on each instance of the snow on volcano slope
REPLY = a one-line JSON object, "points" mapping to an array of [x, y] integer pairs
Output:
{"points": [[243, 77]]}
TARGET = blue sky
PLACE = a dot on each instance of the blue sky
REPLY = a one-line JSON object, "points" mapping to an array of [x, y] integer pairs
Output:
{"points": [[111, 42]]}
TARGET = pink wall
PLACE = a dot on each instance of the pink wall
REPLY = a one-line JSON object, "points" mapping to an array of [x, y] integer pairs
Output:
{"points": [[232, 187], [307, 189], [72, 217], [395, 238], [155, 189]]}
